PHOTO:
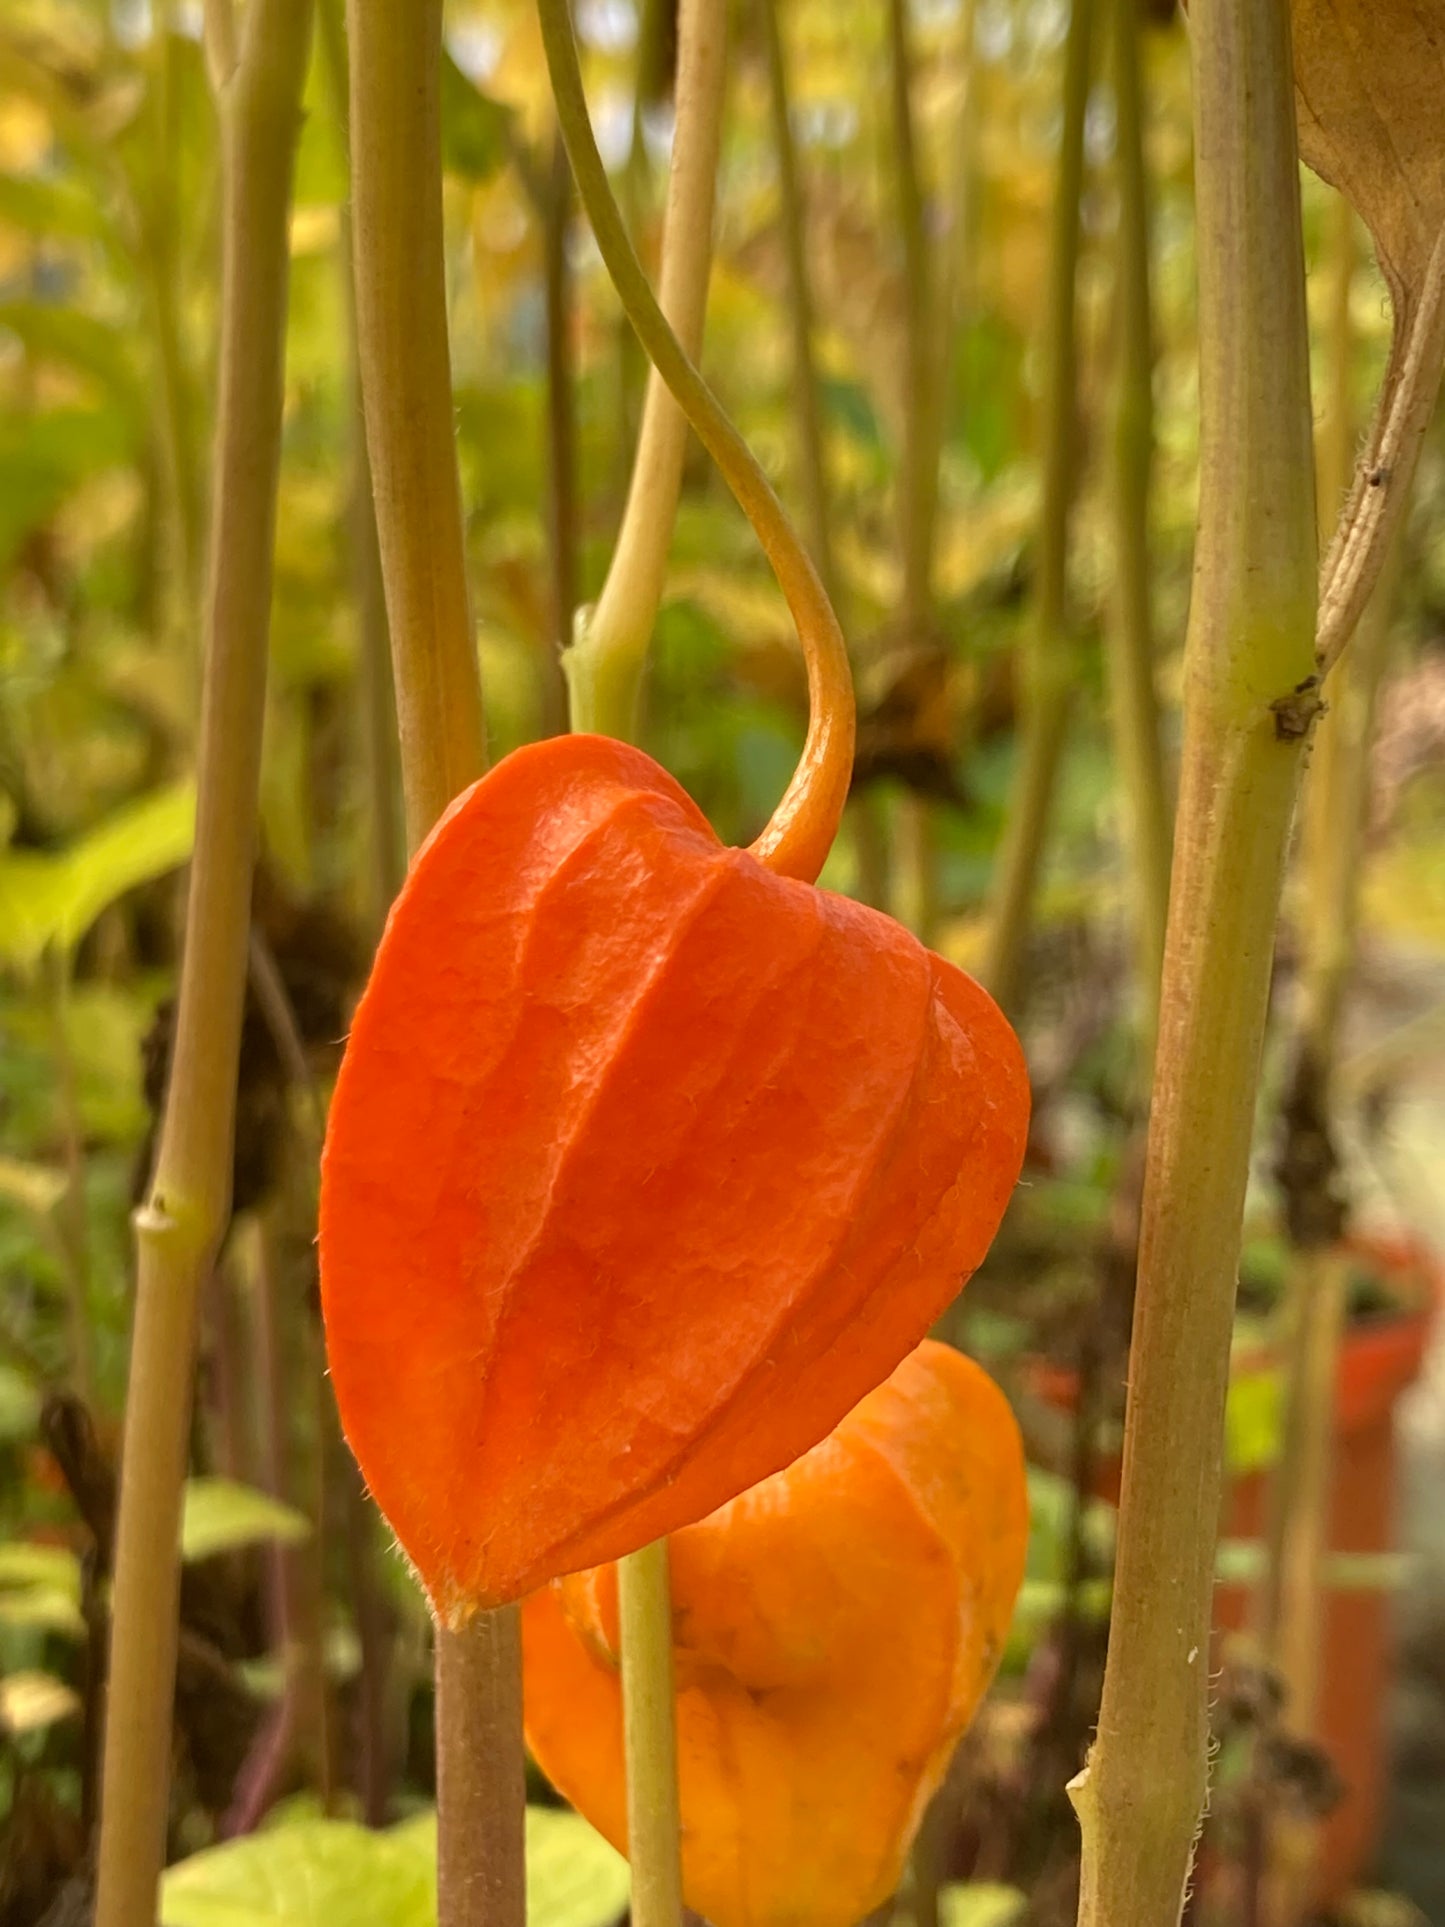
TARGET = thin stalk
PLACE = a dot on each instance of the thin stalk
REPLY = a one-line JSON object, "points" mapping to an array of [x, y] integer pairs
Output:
{"points": [[807, 412], [70, 1210], [1251, 700], [401, 319], [561, 431], [606, 662], [801, 830], [918, 477], [604, 673], [644, 1609], [159, 223], [956, 280], [1336, 806], [180, 1225], [407, 397], [386, 849], [1134, 700], [1049, 670]]}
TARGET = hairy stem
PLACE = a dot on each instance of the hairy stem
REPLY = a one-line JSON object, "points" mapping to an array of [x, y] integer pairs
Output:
{"points": [[1049, 669], [800, 833], [179, 1227], [605, 664], [481, 1782], [1133, 699], [644, 1607], [401, 321], [1250, 703]]}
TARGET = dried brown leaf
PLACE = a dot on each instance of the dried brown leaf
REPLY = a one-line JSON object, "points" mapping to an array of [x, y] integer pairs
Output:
{"points": [[1369, 81]]}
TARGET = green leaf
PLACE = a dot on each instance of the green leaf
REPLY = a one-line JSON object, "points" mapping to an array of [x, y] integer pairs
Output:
{"points": [[44, 458], [40, 1588], [317, 1873], [574, 1878], [1241, 1562], [222, 1516], [19, 1406], [52, 333], [36, 1188], [979, 1903], [331, 1873], [31, 1701], [54, 896], [474, 127], [56, 208], [1254, 1421]]}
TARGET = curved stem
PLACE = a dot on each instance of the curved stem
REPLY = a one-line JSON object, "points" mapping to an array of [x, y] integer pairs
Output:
{"points": [[605, 664], [802, 828], [182, 1221], [1049, 671]]}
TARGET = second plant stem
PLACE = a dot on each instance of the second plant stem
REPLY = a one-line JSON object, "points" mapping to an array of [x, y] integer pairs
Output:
{"points": [[1250, 704], [396, 52], [180, 1225]]}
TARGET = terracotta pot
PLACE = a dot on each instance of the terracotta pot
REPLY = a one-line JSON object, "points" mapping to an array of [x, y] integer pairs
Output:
{"points": [[1379, 1359]]}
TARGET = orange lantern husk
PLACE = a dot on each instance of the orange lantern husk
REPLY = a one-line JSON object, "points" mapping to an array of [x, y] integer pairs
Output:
{"points": [[834, 1631], [644, 1165]]}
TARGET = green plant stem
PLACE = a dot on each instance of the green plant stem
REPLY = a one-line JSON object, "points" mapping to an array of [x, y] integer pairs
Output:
{"points": [[561, 432], [605, 664], [179, 1227], [801, 829], [71, 1216], [807, 412], [1251, 700], [918, 476], [1134, 700], [386, 848], [1049, 669], [644, 1611], [604, 673], [407, 395]]}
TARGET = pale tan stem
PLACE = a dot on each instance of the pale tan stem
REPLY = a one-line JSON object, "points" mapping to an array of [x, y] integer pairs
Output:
{"points": [[1249, 706], [644, 1609], [401, 321], [407, 398], [181, 1223], [605, 664]]}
